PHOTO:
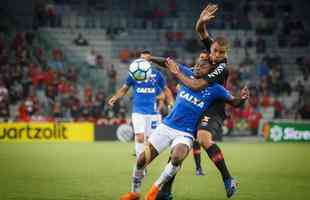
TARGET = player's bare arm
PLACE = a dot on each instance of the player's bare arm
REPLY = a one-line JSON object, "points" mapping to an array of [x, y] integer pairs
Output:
{"points": [[195, 84], [239, 101], [206, 15], [160, 61], [119, 94], [161, 101], [169, 97]]}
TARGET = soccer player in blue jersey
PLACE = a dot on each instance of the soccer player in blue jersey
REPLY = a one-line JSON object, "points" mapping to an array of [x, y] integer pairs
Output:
{"points": [[178, 129], [145, 114], [208, 129]]}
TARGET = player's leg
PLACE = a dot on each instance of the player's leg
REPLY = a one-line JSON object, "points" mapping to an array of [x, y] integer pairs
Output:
{"points": [[156, 144], [165, 192], [139, 124], [214, 152], [139, 143], [146, 156], [197, 158], [152, 123], [180, 149]]}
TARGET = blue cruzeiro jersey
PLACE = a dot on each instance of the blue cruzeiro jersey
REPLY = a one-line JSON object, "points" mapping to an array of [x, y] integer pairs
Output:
{"points": [[145, 92], [190, 104]]}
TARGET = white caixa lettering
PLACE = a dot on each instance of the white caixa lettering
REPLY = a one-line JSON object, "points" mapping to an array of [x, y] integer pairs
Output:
{"points": [[192, 99]]}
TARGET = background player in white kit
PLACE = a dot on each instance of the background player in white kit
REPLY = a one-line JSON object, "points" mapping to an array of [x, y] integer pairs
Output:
{"points": [[145, 115]]}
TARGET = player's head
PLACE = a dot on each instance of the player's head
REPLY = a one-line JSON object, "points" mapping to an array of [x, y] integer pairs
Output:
{"points": [[219, 49], [202, 68], [202, 65], [145, 55], [204, 55]]}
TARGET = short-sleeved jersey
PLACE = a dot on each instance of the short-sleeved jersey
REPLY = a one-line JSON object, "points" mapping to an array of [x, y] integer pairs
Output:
{"points": [[145, 92], [218, 75], [190, 104]]}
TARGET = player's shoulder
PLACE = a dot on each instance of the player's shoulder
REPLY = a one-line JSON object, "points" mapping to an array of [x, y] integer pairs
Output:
{"points": [[215, 86], [156, 71], [184, 65], [187, 70], [130, 78], [222, 64]]}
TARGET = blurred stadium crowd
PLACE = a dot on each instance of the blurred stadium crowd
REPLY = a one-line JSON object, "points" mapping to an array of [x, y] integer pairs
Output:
{"points": [[77, 53]]}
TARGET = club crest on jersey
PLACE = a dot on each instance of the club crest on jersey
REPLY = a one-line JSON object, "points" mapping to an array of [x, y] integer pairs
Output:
{"points": [[205, 93], [152, 78], [145, 90], [192, 99]]}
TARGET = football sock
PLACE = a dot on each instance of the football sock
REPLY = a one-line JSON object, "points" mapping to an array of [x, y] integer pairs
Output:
{"points": [[169, 172], [167, 186], [215, 154], [139, 148], [137, 177], [196, 154]]}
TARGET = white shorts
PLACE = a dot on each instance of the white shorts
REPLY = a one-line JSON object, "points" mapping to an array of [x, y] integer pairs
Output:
{"points": [[165, 136], [146, 124]]}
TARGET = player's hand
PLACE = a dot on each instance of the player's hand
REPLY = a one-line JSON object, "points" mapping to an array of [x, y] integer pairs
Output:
{"points": [[245, 93], [208, 13], [172, 66], [112, 101]]}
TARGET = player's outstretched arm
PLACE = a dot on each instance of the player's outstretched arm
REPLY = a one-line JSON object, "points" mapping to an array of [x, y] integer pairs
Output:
{"points": [[239, 101], [195, 84], [206, 16], [119, 94], [160, 61]]}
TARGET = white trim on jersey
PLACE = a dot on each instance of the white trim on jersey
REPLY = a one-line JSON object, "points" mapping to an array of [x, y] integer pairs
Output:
{"points": [[217, 71]]}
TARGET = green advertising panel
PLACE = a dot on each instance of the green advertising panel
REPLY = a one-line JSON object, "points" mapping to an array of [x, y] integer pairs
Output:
{"points": [[281, 131]]}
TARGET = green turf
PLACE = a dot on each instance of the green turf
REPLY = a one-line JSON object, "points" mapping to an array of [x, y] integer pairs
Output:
{"points": [[102, 171]]}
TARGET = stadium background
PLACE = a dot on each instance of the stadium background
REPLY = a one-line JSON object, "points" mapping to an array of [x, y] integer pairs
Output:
{"points": [[60, 60]]}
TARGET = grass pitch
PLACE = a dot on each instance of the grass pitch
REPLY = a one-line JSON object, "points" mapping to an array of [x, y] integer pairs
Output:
{"points": [[102, 171]]}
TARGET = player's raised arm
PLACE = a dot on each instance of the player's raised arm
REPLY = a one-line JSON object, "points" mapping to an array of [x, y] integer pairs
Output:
{"points": [[119, 94], [206, 16]]}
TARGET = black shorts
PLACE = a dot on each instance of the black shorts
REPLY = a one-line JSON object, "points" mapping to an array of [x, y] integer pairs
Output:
{"points": [[214, 126]]}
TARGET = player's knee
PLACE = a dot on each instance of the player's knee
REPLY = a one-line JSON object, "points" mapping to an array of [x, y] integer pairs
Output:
{"points": [[205, 138], [146, 157], [139, 137], [176, 160], [179, 153]]}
